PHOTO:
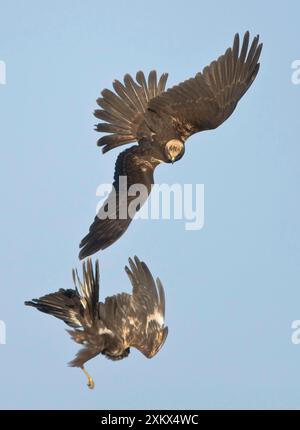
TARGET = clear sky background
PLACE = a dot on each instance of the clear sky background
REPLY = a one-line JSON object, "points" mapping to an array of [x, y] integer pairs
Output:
{"points": [[233, 288]]}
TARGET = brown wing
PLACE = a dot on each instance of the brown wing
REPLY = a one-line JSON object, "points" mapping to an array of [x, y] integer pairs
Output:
{"points": [[89, 292], [64, 304], [145, 292], [123, 111], [77, 308], [138, 319], [145, 322], [133, 174], [207, 100]]}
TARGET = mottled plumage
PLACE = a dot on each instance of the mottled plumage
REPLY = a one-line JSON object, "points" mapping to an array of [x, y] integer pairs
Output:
{"points": [[161, 121], [113, 327]]}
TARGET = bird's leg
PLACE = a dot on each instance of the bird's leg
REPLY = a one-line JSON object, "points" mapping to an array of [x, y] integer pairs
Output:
{"points": [[91, 383]]}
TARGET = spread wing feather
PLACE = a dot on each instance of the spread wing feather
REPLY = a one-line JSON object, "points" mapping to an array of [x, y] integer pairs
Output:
{"points": [[79, 307], [123, 111], [147, 309], [64, 304], [144, 287], [89, 288], [207, 100]]}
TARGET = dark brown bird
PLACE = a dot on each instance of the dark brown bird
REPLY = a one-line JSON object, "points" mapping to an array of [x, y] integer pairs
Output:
{"points": [[161, 121], [113, 327]]}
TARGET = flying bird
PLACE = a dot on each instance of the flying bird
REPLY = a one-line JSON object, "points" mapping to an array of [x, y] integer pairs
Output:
{"points": [[161, 122], [113, 327]]}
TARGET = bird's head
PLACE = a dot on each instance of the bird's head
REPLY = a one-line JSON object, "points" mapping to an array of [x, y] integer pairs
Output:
{"points": [[115, 356], [174, 150]]}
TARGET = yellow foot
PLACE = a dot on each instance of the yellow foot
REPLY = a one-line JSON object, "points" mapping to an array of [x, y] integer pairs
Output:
{"points": [[91, 383]]}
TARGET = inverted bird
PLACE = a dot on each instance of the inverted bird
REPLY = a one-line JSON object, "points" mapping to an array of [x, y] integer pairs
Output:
{"points": [[113, 327], [161, 122]]}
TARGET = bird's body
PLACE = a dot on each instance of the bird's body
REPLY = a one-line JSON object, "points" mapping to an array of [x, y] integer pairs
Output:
{"points": [[161, 122], [114, 326]]}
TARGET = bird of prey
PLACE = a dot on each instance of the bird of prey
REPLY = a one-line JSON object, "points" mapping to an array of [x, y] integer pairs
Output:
{"points": [[113, 327], [161, 121]]}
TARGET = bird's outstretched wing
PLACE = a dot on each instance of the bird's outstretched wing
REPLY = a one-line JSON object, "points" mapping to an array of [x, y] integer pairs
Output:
{"points": [[207, 100], [145, 291], [123, 111], [138, 319], [88, 289], [77, 308], [64, 304], [132, 184], [146, 315]]}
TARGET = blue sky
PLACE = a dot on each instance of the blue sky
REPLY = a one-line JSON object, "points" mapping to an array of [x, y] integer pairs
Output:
{"points": [[233, 288]]}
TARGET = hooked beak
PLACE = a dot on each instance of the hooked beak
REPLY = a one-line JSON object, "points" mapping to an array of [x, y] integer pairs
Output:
{"points": [[173, 160]]}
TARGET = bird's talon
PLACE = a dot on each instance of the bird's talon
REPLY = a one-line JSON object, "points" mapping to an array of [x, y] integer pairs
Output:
{"points": [[91, 383]]}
